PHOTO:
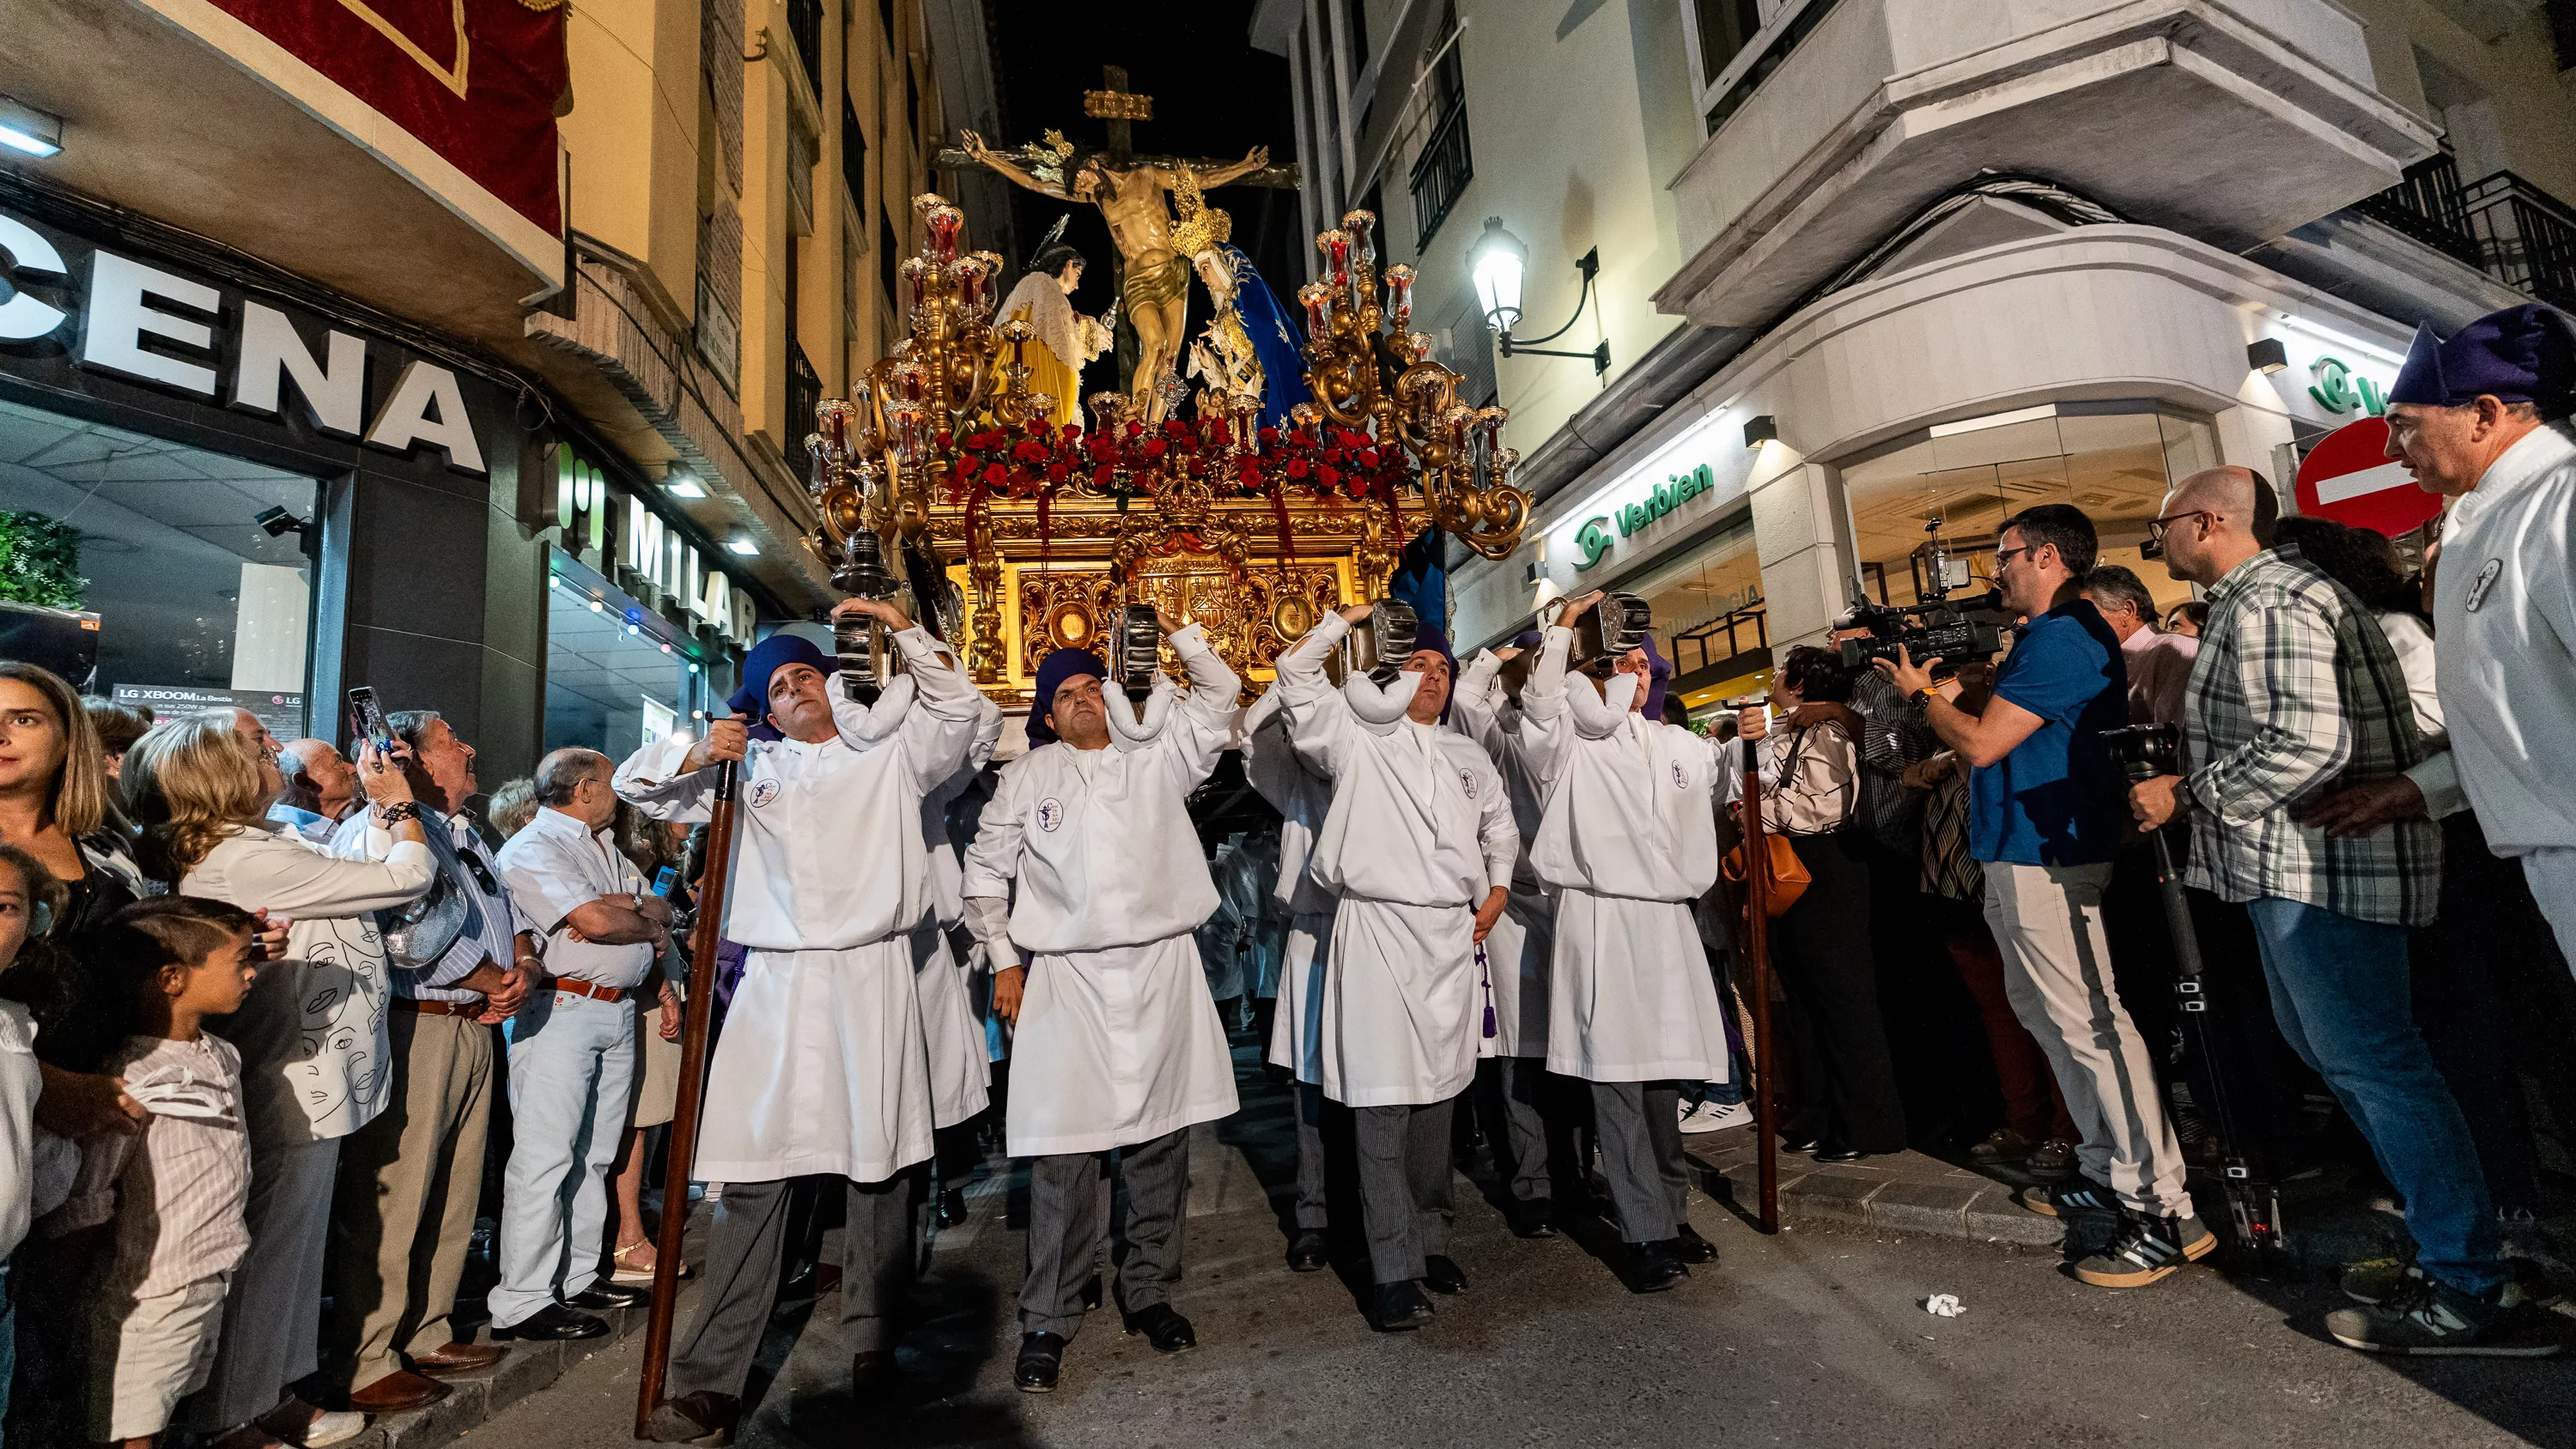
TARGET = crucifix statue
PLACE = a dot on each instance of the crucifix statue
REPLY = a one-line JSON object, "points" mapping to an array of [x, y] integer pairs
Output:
{"points": [[1130, 191]]}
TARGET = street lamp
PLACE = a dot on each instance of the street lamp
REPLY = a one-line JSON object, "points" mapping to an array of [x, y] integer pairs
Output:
{"points": [[1498, 261]]}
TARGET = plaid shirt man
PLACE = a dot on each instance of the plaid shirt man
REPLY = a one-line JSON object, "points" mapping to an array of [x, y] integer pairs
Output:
{"points": [[2295, 692]]}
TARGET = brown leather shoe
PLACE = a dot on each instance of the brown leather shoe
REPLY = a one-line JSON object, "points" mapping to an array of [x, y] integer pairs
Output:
{"points": [[398, 1393], [699, 1418], [873, 1373], [458, 1358]]}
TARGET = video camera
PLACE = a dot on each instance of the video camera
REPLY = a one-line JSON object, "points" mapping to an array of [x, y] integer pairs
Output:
{"points": [[1941, 628], [2145, 751]]}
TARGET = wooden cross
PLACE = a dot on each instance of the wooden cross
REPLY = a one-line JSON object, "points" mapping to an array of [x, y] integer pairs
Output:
{"points": [[1118, 106]]}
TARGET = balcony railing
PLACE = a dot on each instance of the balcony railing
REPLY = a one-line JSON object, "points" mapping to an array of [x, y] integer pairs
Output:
{"points": [[1441, 173], [2503, 225], [805, 22], [2526, 237], [804, 389]]}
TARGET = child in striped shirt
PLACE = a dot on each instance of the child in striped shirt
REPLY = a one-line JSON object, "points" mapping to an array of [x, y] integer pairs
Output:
{"points": [[171, 1196]]}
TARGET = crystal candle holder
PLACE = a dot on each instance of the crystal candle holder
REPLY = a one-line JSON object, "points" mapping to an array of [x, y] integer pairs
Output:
{"points": [[942, 223], [1318, 298], [1336, 247]]}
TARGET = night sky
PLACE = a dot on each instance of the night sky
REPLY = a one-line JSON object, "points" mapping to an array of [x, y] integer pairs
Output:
{"points": [[1215, 97]]}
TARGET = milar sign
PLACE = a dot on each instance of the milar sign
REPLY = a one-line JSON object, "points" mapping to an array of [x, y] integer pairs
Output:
{"points": [[128, 305], [1594, 539]]}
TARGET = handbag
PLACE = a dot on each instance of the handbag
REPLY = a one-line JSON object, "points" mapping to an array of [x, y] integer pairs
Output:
{"points": [[1789, 878]]}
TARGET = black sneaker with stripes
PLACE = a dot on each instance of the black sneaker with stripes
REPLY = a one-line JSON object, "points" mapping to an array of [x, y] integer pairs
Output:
{"points": [[2148, 1250], [2425, 1318], [2077, 1194]]}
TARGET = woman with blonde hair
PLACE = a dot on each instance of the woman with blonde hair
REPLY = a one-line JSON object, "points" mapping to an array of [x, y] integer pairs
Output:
{"points": [[315, 1061]]}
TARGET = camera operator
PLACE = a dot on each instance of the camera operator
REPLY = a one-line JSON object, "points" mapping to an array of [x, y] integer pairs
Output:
{"points": [[2295, 691], [2044, 817]]}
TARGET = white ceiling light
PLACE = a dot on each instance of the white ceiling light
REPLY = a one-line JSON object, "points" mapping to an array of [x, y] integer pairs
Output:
{"points": [[1993, 420], [743, 546], [24, 128], [683, 485]]}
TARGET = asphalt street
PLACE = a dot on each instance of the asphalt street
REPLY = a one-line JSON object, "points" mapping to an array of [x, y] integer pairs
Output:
{"points": [[1815, 1337]]}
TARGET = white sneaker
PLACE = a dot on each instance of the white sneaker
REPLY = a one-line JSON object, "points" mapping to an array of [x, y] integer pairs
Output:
{"points": [[1710, 1117], [332, 1426]]}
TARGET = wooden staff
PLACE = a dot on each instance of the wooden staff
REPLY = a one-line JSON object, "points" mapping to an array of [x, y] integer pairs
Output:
{"points": [[693, 1079], [1757, 972]]}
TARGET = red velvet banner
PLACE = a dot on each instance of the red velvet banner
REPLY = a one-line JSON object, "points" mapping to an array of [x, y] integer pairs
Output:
{"points": [[475, 80]]}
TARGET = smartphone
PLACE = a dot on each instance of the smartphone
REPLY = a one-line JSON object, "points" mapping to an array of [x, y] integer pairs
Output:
{"points": [[664, 879], [367, 720]]}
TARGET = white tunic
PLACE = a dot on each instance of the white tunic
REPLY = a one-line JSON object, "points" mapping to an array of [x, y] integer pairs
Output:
{"points": [[1518, 949], [1418, 833], [823, 1067], [961, 1067], [1301, 797], [1628, 837], [2504, 608], [1118, 1041]]}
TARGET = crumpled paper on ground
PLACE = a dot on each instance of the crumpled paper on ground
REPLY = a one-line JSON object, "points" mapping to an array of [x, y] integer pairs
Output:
{"points": [[1944, 1305]]}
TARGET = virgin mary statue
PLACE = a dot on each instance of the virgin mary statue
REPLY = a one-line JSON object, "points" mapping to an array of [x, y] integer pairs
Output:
{"points": [[1065, 338]]}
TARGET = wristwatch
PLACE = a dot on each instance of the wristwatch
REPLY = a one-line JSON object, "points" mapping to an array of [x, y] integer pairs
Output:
{"points": [[1928, 693]]}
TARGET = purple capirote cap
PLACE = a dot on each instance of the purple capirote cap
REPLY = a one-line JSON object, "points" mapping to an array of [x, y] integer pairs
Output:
{"points": [[1659, 672], [2521, 354]]}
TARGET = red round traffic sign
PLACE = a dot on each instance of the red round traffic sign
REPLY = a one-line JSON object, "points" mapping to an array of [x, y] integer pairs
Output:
{"points": [[2348, 477]]}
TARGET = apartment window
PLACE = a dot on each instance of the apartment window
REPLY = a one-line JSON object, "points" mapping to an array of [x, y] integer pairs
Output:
{"points": [[854, 150], [1444, 166], [1724, 28], [912, 104], [805, 22], [1735, 45], [886, 262], [1358, 13], [885, 12]]}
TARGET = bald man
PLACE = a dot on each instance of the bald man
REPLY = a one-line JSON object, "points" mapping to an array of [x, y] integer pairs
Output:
{"points": [[572, 1050], [2296, 691], [320, 786]]}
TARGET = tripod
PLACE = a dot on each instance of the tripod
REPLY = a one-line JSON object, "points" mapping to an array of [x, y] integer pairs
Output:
{"points": [[2253, 1204]]}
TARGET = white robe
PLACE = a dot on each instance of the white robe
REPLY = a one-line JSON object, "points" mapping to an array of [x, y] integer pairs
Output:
{"points": [[961, 1068], [823, 1066], [1628, 838], [1418, 833], [1118, 1041], [1301, 797], [1519, 948]]}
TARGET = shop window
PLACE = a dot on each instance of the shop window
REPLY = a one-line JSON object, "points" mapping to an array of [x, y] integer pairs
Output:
{"points": [[618, 675], [1708, 608], [197, 601], [1953, 491]]}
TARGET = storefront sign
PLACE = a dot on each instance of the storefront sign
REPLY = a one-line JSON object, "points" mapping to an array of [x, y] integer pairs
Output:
{"points": [[1593, 538], [283, 713], [134, 320], [2338, 389]]}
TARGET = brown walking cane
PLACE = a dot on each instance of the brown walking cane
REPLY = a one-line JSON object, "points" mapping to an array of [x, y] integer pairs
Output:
{"points": [[1757, 972], [693, 1080]]}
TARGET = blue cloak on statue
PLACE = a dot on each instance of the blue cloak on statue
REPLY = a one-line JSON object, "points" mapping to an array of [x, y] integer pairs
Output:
{"points": [[1275, 339]]}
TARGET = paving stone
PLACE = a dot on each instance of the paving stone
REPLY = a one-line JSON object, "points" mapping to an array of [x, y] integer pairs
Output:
{"points": [[1923, 1207]]}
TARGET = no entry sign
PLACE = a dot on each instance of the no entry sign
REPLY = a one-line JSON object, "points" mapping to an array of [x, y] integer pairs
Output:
{"points": [[2348, 478]]}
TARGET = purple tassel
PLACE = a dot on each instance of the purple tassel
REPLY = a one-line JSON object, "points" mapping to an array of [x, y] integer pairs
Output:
{"points": [[1487, 968]]}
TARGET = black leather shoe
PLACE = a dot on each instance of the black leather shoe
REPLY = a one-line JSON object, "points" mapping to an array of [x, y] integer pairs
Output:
{"points": [[1690, 1247], [699, 1418], [1839, 1154], [1401, 1307], [872, 1373], [603, 1296], [1163, 1327], [1442, 1275], [1799, 1142], [554, 1323], [1535, 1218], [1652, 1268], [952, 1207], [1091, 1293], [1041, 1359], [1307, 1255]]}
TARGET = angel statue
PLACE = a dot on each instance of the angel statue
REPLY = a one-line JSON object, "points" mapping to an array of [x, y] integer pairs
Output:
{"points": [[1250, 347], [1155, 286], [1066, 339]]}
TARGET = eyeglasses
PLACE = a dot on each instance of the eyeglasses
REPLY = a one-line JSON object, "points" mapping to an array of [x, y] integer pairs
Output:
{"points": [[2005, 555], [2156, 527]]}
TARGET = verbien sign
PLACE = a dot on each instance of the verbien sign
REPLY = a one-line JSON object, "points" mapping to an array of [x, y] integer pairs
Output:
{"points": [[1594, 537]]}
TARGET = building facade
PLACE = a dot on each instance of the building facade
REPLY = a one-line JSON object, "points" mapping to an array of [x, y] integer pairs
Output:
{"points": [[1873, 274], [472, 365]]}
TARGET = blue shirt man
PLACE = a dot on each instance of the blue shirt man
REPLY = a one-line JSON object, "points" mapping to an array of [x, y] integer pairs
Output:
{"points": [[2057, 798]]}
